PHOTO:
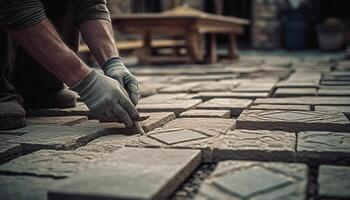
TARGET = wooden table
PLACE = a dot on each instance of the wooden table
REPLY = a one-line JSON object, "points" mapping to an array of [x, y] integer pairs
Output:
{"points": [[186, 22]]}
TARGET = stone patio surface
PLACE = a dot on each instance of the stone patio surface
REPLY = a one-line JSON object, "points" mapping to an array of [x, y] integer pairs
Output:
{"points": [[268, 126]]}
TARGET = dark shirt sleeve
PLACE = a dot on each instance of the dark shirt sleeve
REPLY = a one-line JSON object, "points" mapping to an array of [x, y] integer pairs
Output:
{"points": [[91, 10], [19, 14]]}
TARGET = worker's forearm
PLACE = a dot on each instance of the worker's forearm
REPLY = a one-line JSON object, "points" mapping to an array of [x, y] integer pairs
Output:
{"points": [[98, 34], [43, 43]]}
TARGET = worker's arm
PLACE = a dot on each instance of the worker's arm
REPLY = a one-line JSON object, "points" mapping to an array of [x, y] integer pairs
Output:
{"points": [[98, 35], [103, 95]]}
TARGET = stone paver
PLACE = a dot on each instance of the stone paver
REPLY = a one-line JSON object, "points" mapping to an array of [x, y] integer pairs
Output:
{"points": [[236, 106], [279, 107], [255, 145], [323, 147], [176, 106], [50, 163], [25, 187], [293, 121], [131, 173], [238, 180], [80, 109], [334, 182], [55, 137], [61, 120], [332, 101], [206, 113], [214, 86], [240, 95], [295, 92], [8, 150], [325, 92]]}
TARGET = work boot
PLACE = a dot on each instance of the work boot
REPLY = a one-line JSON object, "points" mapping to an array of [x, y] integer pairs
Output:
{"points": [[12, 115]]}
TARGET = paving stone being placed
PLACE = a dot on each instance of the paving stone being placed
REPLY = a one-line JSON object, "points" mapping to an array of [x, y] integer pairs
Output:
{"points": [[254, 145], [240, 95], [61, 120], [50, 163], [206, 113], [176, 106], [236, 106], [238, 180], [25, 187], [293, 121], [279, 107], [323, 147], [55, 137], [131, 173], [295, 92], [334, 182]]}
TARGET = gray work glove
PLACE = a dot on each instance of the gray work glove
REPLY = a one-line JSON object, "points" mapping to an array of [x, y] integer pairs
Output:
{"points": [[106, 98], [116, 69]]}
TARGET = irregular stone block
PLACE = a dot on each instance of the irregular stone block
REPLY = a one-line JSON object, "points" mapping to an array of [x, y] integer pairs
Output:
{"points": [[213, 86], [148, 89], [255, 87], [176, 106], [279, 107], [236, 106], [333, 181], [55, 137], [255, 145], [337, 101], [237, 180], [298, 84], [293, 121], [206, 113], [178, 88], [323, 147], [8, 150], [160, 98], [25, 187], [79, 109], [325, 92], [333, 108], [50, 163], [131, 173], [240, 95], [295, 92], [61, 120]]}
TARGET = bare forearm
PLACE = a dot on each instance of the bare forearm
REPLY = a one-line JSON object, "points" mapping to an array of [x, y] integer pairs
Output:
{"points": [[43, 43], [98, 34]]}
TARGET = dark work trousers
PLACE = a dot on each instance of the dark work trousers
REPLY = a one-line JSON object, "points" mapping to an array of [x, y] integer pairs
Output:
{"points": [[20, 75]]}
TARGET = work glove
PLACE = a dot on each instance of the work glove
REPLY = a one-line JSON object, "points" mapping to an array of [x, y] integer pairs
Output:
{"points": [[116, 69], [106, 98]]}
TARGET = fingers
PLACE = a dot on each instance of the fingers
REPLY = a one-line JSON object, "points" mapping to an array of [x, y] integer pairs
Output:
{"points": [[134, 93], [129, 108], [120, 113]]}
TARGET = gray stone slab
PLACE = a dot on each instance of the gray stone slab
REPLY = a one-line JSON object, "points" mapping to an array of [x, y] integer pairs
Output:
{"points": [[298, 84], [323, 147], [25, 187], [325, 92], [254, 145], [8, 150], [60, 120], [50, 163], [240, 95], [131, 173], [56, 137], [279, 107], [236, 106], [333, 101], [295, 92], [238, 180], [176, 106], [334, 182], [255, 87], [206, 113], [178, 88], [293, 121], [80, 109], [214, 86], [159, 98]]}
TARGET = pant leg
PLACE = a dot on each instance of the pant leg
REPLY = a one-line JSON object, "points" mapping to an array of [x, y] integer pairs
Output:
{"points": [[31, 79], [7, 64]]}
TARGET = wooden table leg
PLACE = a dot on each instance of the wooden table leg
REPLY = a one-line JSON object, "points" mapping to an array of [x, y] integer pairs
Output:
{"points": [[232, 48], [146, 51], [194, 46], [213, 49]]}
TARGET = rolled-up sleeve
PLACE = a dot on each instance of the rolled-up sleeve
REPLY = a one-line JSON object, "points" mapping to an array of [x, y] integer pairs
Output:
{"points": [[19, 14], [91, 10]]}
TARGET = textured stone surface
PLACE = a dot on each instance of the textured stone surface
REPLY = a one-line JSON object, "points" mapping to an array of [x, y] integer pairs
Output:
{"points": [[206, 113], [213, 86], [131, 173], [61, 120], [255, 145], [338, 101], [240, 95], [50, 163], [8, 150], [80, 109], [25, 187], [293, 121], [255, 180], [56, 137], [295, 92], [334, 181], [325, 92], [333, 108], [323, 147], [279, 107], [176, 106], [236, 106]]}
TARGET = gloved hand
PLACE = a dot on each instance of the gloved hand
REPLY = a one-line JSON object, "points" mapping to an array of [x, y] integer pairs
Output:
{"points": [[116, 69], [106, 98]]}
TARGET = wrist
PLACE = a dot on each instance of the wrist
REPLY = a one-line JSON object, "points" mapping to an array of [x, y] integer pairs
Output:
{"points": [[79, 76]]}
